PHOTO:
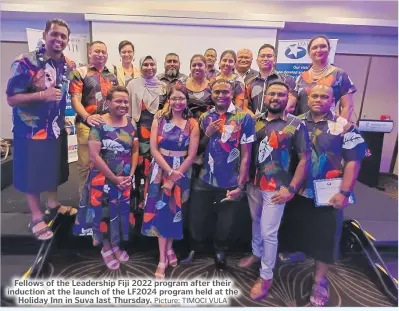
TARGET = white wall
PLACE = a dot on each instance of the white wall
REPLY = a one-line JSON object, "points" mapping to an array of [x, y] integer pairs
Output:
{"points": [[302, 11], [353, 43], [15, 30]]}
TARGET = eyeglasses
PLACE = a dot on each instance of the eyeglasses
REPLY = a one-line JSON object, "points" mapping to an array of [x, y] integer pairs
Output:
{"points": [[175, 99]]}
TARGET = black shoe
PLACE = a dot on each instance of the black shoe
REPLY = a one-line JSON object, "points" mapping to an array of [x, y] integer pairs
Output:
{"points": [[189, 258], [220, 261]]}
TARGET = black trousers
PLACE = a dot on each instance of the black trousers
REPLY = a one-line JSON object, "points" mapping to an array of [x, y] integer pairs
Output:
{"points": [[316, 231], [204, 207]]}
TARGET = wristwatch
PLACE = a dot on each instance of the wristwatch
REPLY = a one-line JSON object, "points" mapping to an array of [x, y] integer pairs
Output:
{"points": [[291, 189], [346, 194]]}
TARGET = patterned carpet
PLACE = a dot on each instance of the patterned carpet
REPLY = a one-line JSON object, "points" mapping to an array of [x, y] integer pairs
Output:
{"points": [[350, 284]]}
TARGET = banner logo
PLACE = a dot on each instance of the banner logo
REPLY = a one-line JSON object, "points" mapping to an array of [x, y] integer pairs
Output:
{"points": [[295, 52]]}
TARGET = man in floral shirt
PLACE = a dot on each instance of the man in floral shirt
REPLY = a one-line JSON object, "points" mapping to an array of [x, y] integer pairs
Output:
{"points": [[272, 185], [37, 92], [227, 137], [337, 151], [89, 87]]}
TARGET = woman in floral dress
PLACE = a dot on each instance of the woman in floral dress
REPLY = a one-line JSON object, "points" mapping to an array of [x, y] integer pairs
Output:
{"points": [[147, 95], [113, 152], [174, 143]]}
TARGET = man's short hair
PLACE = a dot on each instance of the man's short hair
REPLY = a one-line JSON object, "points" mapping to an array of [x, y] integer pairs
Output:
{"points": [[172, 54], [279, 82], [96, 42], [211, 49], [267, 46], [59, 22]]}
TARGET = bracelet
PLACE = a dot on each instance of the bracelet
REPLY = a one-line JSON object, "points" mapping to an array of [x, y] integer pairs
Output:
{"points": [[207, 135], [41, 95], [171, 171], [86, 117]]}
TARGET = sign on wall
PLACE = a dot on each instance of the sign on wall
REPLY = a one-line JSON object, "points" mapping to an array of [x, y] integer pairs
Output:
{"points": [[77, 52], [293, 58]]}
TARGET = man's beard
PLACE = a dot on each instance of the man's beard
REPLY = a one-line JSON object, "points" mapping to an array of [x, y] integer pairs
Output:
{"points": [[275, 110], [172, 73]]}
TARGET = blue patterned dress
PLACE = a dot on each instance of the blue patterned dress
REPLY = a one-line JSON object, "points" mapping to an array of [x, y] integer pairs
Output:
{"points": [[163, 209], [116, 151]]}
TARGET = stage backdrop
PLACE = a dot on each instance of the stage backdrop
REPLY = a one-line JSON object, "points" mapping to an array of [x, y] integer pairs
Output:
{"points": [[77, 52], [185, 40], [293, 58]]}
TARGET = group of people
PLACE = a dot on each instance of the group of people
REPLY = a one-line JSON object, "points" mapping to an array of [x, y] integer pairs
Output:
{"points": [[200, 142]]}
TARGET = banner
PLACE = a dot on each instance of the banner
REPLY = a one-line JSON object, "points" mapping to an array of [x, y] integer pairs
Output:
{"points": [[77, 52], [293, 58]]}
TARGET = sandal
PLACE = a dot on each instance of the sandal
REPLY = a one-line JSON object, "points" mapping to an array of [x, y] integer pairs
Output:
{"points": [[41, 234], [122, 257], [319, 295], [161, 267], [172, 258], [112, 264]]}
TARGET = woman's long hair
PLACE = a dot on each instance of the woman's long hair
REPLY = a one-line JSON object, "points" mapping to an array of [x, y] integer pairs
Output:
{"points": [[180, 88]]}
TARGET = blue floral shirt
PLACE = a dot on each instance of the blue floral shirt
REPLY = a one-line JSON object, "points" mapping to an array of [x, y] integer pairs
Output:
{"points": [[277, 140], [222, 154], [334, 141], [31, 73]]}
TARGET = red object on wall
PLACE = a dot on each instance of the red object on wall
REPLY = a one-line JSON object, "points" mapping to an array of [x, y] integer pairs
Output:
{"points": [[385, 117]]}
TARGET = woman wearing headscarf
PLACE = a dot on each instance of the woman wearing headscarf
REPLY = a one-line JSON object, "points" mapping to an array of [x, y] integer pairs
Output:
{"points": [[322, 72], [126, 71], [147, 95]]}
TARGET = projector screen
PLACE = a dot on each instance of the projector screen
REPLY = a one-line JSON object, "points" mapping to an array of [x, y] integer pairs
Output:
{"points": [[185, 40]]}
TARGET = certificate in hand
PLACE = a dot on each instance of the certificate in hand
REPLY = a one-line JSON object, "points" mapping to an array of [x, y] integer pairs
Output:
{"points": [[325, 189]]}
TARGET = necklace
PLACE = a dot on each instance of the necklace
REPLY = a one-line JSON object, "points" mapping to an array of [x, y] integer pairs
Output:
{"points": [[40, 57], [319, 73], [40, 50]]}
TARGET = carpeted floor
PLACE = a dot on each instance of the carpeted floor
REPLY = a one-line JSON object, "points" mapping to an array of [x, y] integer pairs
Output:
{"points": [[352, 284]]}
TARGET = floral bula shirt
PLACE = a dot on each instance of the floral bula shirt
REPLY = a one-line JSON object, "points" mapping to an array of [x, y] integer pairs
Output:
{"points": [[277, 140], [334, 141], [222, 154], [32, 73], [94, 86]]}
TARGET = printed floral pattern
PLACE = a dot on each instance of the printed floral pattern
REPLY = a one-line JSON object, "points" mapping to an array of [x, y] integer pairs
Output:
{"points": [[222, 154], [162, 208], [338, 80], [116, 151], [93, 86], [198, 102], [44, 120], [277, 140], [334, 141], [256, 88]]}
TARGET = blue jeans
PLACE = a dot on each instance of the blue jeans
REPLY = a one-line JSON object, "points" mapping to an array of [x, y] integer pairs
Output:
{"points": [[266, 219]]}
